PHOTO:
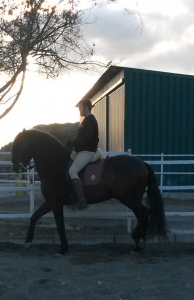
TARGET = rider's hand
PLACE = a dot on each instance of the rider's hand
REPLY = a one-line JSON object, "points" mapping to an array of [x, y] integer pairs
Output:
{"points": [[68, 144]]}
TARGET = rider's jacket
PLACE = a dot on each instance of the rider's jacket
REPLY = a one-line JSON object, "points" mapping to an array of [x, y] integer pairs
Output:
{"points": [[87, 135]]}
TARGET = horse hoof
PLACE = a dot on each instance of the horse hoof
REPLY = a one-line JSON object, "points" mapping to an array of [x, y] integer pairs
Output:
{"points": [[136, 250], [71, 207], [134, 253], [141, 244], [28, 245], [58, 255]]}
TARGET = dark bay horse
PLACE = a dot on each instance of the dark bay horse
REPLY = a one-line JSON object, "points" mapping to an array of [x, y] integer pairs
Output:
{"points": [[124, 178]]}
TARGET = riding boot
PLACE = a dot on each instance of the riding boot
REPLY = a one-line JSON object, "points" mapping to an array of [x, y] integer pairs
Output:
{"points": [[79, 191]]}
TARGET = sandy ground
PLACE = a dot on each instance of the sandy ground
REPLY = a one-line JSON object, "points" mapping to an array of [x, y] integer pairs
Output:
{"points": [[93, 272], [97, 273]]}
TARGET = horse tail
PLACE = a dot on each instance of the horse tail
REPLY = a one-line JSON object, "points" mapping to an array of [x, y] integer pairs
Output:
{"points": [[157, 221]]}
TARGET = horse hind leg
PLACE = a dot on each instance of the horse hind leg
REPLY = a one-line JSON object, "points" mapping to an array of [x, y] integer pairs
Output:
{"points": [[139, 232], [142, 214]]}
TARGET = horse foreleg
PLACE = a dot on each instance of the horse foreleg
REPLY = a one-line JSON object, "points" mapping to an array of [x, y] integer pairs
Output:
{"points": [[44, 209], [59, 219]]}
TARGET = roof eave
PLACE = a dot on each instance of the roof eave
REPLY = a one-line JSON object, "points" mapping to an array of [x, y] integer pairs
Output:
{"points": [[102, 81]]}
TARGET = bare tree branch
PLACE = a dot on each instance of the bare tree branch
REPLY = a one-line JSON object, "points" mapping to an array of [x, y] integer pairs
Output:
{"points": [[2, 97], [16, 98], [50, 35]]}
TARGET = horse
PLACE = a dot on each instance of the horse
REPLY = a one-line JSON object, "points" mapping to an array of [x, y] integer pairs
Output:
{"points": [[124, 178]]}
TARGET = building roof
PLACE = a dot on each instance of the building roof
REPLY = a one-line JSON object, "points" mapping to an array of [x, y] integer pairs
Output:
{"points": [[114, 70], [106, 77]]}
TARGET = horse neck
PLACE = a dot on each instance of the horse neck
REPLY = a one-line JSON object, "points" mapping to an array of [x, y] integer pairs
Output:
{"points": [[49, 158]]}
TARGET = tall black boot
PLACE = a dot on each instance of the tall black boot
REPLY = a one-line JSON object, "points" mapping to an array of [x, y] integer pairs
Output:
{"points": [[79, 191]]}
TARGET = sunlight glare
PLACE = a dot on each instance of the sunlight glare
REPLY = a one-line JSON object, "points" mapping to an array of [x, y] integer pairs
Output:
{"points": [[165, 46], [45, 101], [169, 8]]}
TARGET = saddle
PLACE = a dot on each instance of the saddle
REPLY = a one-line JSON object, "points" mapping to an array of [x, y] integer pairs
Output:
{"points": [[91, 174]]}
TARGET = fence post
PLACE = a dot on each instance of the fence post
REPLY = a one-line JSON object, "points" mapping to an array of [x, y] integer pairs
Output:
{"points": [[128, 151], [128, 218], [32, 191], [28, 177], [161, 170]]}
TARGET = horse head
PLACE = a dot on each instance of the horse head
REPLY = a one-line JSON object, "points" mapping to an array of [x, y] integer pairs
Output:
{"points": [[21, 151]]}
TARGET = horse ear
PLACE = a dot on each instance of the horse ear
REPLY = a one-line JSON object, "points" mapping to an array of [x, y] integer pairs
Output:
{"points": [[24, 129]]}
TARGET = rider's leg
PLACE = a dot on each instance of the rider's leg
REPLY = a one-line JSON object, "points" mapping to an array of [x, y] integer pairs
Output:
{"points": [[80, 194], [81, 160]]}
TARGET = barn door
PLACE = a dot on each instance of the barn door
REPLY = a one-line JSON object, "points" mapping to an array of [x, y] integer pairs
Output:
{"points": [[99, 111], [115, 120]]}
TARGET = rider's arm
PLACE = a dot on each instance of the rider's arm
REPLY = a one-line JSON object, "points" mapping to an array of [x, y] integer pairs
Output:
{"points": [[86, 134]]}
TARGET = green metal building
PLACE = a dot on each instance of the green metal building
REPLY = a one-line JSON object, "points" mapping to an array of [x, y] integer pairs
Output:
{"points": [[148, 112]]}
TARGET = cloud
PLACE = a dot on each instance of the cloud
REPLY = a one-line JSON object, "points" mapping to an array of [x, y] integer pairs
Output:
{"points": [[165, 44], [112, 30]]}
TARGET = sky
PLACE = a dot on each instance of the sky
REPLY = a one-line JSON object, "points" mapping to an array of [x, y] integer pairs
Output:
{"points": [[160, 37]]}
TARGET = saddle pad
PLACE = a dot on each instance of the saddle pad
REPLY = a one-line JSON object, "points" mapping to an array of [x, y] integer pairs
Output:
{"points": [[91, 174]]}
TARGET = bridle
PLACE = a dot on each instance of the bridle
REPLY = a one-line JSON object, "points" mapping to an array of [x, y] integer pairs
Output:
{"points": [[28, 167]]}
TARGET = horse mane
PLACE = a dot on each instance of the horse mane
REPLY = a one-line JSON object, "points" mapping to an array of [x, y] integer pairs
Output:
{"points": [[45, 137]]}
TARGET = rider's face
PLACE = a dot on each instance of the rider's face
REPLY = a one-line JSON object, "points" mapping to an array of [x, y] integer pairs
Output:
{"points": [[82, 110]]}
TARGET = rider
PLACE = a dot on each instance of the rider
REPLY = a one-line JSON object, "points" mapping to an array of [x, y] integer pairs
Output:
{"points": [[85, 145]]}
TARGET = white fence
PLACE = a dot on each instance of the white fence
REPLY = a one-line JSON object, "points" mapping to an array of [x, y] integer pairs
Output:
{"points": [[31, 185]]}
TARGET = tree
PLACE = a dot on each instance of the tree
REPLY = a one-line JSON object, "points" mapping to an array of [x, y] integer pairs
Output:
{"points": [[34, 32]]}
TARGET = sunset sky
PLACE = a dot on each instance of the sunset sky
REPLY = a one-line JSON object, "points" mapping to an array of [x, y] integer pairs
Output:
{"points": [[164, 43]]}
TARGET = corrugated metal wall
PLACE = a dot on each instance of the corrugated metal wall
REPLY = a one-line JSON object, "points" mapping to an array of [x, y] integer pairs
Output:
{"points": [[100, 112], [116, 107], [109, 113], [159, 110], [159, 116]]}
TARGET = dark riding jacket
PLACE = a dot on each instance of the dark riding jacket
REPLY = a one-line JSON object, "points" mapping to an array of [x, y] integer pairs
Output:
{"points": [[87, 135]]}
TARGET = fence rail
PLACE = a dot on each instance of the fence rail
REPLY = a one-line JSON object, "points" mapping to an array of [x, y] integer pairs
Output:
{"points": [[160, 162], [31, 184]]}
